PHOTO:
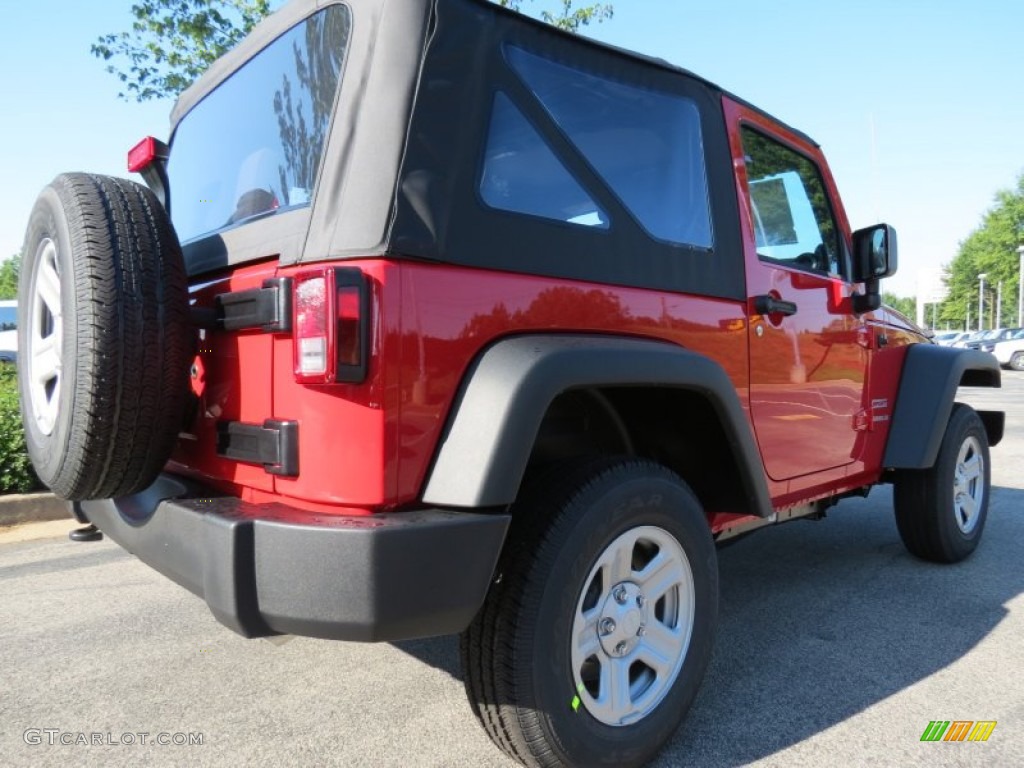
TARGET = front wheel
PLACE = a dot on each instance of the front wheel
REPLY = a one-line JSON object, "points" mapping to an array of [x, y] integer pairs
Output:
{"points": [[1017, 361], [596, 635], [941, 511]]}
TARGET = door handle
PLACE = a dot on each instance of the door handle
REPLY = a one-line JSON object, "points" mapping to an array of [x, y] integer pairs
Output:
{"points": [[769, 305]]}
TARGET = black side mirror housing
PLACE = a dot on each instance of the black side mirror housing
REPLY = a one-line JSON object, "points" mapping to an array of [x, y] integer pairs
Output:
{"points": [[874, 253], [874, 257]]}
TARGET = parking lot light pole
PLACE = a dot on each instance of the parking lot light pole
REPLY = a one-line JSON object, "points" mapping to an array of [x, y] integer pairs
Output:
{"points": [[1020, 289], [981, 299]]}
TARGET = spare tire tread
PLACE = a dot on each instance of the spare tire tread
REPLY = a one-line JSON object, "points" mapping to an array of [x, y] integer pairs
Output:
{"points": [[132, 341]]}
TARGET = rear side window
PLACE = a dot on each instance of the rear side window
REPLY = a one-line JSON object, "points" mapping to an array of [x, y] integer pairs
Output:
{"points": [[645, 145], [252, 147], [522, 174]]}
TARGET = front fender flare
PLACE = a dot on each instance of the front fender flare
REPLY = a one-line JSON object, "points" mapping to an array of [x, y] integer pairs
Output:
{"points": [[495, 419], [931, 375]]}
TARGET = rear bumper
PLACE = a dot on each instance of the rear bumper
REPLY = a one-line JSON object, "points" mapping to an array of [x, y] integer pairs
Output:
{"points": [[268, 569]]}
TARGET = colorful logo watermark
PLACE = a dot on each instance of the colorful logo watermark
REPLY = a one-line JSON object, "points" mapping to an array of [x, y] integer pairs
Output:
{"points": [[958, 730]]}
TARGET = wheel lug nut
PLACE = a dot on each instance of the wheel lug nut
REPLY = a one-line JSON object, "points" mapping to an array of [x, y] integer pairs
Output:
{"points": [[640, 601], [620, 595], [641, 631], [620, 649], [607, 626]]}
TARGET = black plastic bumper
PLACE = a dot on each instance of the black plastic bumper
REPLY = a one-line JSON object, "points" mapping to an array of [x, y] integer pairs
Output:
{"points": [[268, 569]]}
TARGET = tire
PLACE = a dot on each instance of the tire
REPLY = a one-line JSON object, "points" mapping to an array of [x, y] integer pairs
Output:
{"points": [[104, 337], [539, 673], [941, 511], [1017, 361]]}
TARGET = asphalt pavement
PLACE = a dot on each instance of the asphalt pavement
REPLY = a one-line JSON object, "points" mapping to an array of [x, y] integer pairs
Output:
{"points": [[835, 647]]}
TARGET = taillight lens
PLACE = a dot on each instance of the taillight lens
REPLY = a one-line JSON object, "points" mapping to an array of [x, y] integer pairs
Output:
{"points": [[331, 326]]}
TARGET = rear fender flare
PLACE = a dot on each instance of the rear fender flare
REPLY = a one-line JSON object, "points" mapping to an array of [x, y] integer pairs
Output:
{"points": [[495, 418]]}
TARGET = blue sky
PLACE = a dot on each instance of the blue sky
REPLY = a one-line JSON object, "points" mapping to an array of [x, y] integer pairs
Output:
{"points": [[918, 104]]}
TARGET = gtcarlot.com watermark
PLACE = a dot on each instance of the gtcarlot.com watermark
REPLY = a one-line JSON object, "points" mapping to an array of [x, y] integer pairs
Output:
{"points": [[56, 737]]}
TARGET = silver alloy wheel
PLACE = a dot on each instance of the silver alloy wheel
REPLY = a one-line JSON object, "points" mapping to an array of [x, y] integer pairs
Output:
{"points": [[969, 484], [45, 337], [633, 623]]}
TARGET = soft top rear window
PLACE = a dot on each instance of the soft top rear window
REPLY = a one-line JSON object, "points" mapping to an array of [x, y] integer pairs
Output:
{"points": [[252, 147]]}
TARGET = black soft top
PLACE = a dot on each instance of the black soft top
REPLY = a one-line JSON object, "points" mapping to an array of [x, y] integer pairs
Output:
{"points": [[400, 170]]}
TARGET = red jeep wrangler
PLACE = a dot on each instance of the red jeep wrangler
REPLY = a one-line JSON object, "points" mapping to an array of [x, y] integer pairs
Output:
{"points": [[434, 319]]}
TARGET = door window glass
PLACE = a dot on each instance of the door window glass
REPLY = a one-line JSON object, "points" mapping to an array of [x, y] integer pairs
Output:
{"points": [[793, 221]]}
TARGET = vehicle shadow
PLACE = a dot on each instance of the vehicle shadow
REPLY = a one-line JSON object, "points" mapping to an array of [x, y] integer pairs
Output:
{"points": [[819, 621]]}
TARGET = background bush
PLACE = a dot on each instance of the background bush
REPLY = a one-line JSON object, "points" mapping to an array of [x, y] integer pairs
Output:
{"points": [[16, 475]]}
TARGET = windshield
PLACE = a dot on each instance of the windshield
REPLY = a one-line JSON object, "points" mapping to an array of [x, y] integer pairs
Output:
{"points": [[252, 147]]}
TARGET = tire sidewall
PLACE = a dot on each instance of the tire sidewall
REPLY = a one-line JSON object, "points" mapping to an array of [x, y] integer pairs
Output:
{"points": [[613, 508], [48, 220], [963, 424], [1017, 361]]}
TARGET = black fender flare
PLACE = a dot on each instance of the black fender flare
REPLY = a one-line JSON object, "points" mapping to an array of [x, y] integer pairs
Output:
{"points": [[924, 401], [495, 418]]}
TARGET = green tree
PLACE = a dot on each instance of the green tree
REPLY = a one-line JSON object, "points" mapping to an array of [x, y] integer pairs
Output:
{"points": [[9, 277], [172, 42], [566, 16], [904, 304], [991, 249]]}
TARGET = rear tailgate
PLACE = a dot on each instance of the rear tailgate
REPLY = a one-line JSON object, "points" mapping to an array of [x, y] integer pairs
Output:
{"points": [[232, 382]]}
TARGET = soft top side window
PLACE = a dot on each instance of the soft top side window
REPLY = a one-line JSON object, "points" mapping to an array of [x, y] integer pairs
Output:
{"points": [[792, 216], [645, 145], [522, 174]]}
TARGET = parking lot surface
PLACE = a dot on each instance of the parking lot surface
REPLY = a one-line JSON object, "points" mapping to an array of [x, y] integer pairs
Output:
{"points": [[834, 647]]}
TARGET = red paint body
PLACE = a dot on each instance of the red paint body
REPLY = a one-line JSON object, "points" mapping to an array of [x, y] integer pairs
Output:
{"points": [[817, 387]]}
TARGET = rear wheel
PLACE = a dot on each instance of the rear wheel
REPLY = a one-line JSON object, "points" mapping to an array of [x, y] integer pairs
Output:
{"points": [[594, 639], [1017, 361], [941, 511], [104, 337]]}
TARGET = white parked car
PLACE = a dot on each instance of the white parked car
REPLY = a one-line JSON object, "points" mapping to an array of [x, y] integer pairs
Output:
{"points": [[8, 331], [949, 338], [1010, 353]]}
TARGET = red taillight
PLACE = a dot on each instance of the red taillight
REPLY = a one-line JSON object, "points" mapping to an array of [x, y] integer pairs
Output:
{"points": [[312, 341], [145, 152], [331, 326]]}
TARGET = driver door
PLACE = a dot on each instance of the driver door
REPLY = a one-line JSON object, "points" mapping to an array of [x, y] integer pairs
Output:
{"points": [[808, 362]]}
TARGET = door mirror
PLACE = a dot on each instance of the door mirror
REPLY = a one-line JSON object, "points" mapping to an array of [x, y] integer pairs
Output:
{"points": [[874, 253], [874, 257]]}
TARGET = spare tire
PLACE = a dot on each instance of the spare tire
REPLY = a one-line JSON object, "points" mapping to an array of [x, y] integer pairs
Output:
{"points": [[104, 336]]}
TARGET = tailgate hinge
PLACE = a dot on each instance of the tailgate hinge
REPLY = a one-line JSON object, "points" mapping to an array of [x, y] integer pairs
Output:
{"points": [[268, 309], [275, 444]]}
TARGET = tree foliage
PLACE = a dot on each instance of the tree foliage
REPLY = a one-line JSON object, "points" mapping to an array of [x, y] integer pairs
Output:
{"points": [[172, 42], [566, 16], [9, 277], [991, 249], [16, 475], [904, 304]]}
